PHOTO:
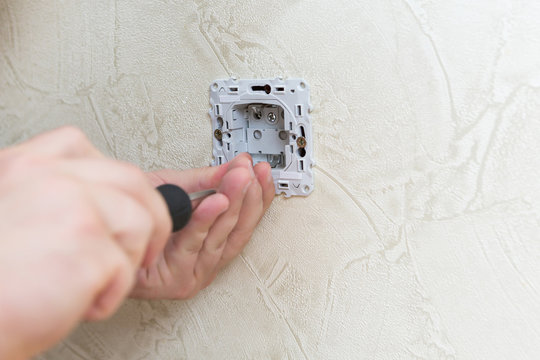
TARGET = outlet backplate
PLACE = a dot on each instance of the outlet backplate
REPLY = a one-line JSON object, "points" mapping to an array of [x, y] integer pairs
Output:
{"points": [[270, 119]]}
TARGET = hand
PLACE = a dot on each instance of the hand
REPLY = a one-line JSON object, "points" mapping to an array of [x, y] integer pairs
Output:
{"points": [[74, 228], [220, 227]]}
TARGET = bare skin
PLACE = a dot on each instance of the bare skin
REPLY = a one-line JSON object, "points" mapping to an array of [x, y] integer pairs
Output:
{"points": [[81, 232]]}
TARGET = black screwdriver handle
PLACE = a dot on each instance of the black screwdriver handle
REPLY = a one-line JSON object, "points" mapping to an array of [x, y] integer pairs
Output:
{"points": [[179, 205]]}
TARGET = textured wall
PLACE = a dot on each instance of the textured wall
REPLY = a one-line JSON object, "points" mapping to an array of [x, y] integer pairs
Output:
{"points": [[421, 240]]}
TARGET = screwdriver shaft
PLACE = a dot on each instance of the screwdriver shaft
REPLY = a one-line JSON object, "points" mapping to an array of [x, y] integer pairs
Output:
{"points": [[201, 194]]}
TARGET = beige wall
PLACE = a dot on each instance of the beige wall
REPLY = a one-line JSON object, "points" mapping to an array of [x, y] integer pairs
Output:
{"points": [[421, 240]]}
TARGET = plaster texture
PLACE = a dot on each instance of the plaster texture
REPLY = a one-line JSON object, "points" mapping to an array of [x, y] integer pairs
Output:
{"points": [[422, 238]]}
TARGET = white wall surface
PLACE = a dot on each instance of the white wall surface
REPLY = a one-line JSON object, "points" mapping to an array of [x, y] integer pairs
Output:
{"points": [[422, 238]]}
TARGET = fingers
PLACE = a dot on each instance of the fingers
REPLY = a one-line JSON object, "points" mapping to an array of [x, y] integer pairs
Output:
{"points": [[183, 251], [66, 141], [258, 199], [190, 239], [250, 214], [129, 223], [219, 229], [194, 180], [131, 181], [263, 172], [191, 180], [235, 184], [110, 297]]}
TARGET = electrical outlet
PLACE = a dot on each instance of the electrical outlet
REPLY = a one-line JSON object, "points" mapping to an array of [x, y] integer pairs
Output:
{"points": [[270, 120]]}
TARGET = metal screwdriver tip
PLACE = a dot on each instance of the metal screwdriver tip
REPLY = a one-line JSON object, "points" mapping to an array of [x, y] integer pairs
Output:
{"points": [[201, 194]]}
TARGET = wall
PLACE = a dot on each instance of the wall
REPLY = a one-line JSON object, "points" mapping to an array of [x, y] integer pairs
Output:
{"points": [[421, 240]]}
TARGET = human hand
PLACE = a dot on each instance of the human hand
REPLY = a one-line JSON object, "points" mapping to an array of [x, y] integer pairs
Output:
{"points": [[220, 227], [74, 228]]}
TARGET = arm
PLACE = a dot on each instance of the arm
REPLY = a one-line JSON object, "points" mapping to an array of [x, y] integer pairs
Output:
{"points": [[79, 232], [74, 228]]}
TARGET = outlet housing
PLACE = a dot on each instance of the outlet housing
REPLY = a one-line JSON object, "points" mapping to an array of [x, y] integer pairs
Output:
{"points": [[270, 119]]}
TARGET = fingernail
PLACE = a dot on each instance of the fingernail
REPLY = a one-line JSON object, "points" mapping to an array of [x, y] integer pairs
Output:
{"points": [[270, 178]]}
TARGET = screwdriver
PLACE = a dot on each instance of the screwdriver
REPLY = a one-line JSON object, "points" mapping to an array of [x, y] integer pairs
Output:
{"points": [[179, 203]]}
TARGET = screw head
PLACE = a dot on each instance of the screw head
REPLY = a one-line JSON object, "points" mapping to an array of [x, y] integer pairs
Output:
{"points": [[272, 117], [218, 134], [301, 142]]}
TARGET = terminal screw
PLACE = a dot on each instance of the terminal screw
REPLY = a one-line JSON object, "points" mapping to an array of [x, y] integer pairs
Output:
{"points": [[218, 134]]}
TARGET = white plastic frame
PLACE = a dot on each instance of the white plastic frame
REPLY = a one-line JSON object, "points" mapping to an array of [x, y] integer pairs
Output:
{"points": [[266, 118]]}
